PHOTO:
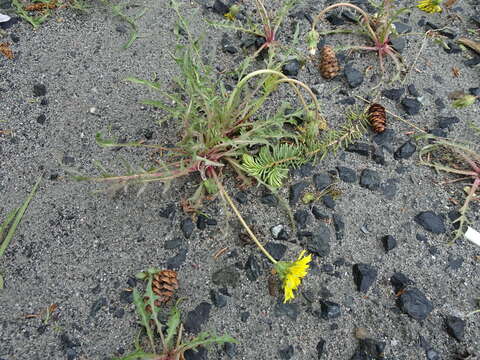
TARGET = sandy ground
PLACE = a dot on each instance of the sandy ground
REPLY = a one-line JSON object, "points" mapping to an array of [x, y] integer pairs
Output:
{"points": [[78, 248]]}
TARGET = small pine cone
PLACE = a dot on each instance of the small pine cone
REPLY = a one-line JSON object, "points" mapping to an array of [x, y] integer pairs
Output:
{"points": [[164, 285], [377, 117], [329, 67], [41, 6]]}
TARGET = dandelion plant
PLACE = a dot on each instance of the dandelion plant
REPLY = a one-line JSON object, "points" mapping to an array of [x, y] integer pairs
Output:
{"points": [[172, 346]]}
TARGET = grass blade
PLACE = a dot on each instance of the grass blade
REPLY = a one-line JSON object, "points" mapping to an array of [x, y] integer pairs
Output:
{"points": [[18, 217]]}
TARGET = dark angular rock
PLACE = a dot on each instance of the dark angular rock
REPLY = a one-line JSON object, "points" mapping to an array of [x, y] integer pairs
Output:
{"points": [[405, 151], [201, 222], [455, 327], [168, 211], [200, 353], [339, 226], [197, 317], [241, 197], [227, 45], [218, 299], [446, 122], [431, 222], [432, 354], [402, 28], [276, 250], [286, 353], [474, 91], [230, 349], [227, 276], [296, 191], [353, 76], [414, 303], [44, 102], [172, 244], [126, 297], [319, 243], [438, 132], [330, 310], [269, 199], [220, 7], [385, 138], [39, 90], [41, 119], [400, 282], [334, 19], [279, 232], [370, 179], [290, 310], [321, 181], [291, 68], [455, 263], [319, 215], [398, 43], [389, 242], [252, 268], [97, 305], [244, 315], [389, 188], [320, 348], [328, 201], [187, 227], [364, 275], [359, 148], [301, 217], [378, 156], [372, 349], [439, 104], [413, 90], [176, 261], [411, 106], [68, 160], [393, 94], [346, 174]]}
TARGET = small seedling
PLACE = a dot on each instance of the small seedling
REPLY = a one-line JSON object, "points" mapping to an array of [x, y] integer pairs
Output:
{"points": [[117, 10], [9, 226], [33, 19], [270, 24], [172, 346], [454, 158], [378, 28]]}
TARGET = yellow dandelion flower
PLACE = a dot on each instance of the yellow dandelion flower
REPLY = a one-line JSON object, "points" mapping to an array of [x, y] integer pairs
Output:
{"points": [[292, 273], [430, 6]]}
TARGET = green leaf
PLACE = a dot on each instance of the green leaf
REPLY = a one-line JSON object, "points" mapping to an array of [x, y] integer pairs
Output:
{"points": [[137, 355], [205, 339], [151, 84], [18, 215], [464, 101], [145, 317], [112, 143], [172, 326]]}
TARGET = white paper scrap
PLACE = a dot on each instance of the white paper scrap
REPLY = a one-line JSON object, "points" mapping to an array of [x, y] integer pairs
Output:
{"points": [[4, 18], [473, 235]]}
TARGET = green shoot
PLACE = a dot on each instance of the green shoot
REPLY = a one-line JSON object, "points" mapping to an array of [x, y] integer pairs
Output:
{"points": [[130, 20], [9, 226]]}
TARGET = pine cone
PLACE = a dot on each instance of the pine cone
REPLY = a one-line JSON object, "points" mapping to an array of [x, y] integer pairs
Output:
{"points": [[41, 6], [329, 67], [377, 117], [164, 284]]}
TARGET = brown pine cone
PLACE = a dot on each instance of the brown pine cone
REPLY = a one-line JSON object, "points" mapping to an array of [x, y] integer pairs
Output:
{"points": [[41, 6], [329, 67], [164, 285], [377, 117]]}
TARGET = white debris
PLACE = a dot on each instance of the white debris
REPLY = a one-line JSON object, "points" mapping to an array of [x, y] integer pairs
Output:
{"points": [[4, 18], [473, 235]]}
